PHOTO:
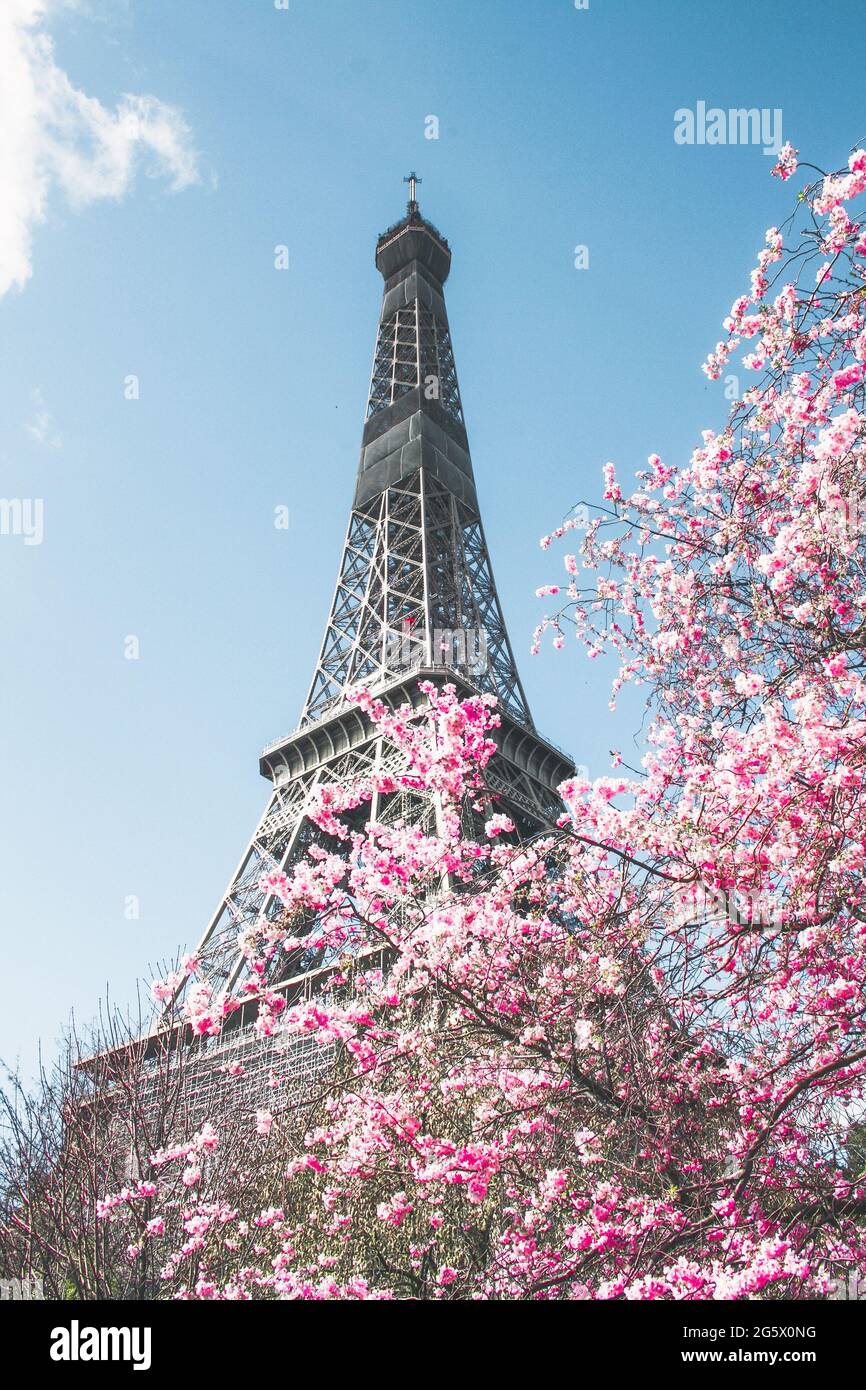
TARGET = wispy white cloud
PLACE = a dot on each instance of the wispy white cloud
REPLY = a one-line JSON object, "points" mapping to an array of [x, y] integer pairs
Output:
{"points": [[41, 426], [56, 137]]}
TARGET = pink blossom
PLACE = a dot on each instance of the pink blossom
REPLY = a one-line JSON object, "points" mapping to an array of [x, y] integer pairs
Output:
{"points": [[787, 162]]}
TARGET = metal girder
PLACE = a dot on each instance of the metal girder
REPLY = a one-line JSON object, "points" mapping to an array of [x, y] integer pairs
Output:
{"points": [[413, 349], [414, 565], [415, 594]]}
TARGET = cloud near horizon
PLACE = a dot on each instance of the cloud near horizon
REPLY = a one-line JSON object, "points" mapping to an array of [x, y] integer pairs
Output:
{"points": [[41, 426], [57, 137]]}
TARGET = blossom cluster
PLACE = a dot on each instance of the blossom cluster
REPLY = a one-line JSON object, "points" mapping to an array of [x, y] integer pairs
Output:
{"points": [[624, 1059]]}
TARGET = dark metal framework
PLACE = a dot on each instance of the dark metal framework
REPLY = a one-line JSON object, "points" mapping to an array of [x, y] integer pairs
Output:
{"points": [[414, 349], [415, 585], [415, 564]]}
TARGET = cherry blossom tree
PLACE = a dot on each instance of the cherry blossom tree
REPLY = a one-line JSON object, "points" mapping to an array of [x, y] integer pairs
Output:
{"points": [[625, 1059]]}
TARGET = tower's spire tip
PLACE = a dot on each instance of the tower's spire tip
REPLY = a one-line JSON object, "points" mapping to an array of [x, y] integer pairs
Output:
{"points": [[412, 180]]}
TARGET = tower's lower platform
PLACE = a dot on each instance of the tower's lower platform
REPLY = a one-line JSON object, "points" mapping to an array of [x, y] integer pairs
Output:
{"points": [[345, 746]]}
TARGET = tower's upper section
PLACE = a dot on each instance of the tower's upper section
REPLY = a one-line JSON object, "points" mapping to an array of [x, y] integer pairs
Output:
{"points": [[412, 244], [414, 412], [416, 589]]}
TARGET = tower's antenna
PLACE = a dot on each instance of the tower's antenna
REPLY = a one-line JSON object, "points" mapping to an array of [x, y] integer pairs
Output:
{"points": [[412, 180]]}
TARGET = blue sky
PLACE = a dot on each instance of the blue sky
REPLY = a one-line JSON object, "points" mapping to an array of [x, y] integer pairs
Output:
{"points": [[556, 128]]}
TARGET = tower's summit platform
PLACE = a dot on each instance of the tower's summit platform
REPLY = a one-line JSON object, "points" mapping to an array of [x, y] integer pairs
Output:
{"points": [[413, 239]]}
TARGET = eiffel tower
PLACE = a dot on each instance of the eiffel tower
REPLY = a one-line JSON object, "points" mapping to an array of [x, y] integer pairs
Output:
{"points": [[415, 601]]}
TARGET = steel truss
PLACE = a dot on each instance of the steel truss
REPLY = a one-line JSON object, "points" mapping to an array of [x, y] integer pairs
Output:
{"points": [[414, 582], [415, 564]]}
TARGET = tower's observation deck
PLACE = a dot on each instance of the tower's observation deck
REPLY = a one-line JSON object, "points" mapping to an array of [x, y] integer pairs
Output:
{"points": [[412, 239]]}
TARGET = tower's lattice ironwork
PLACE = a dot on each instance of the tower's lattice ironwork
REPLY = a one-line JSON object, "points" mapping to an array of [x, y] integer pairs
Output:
{"points": [[415, 600]]}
